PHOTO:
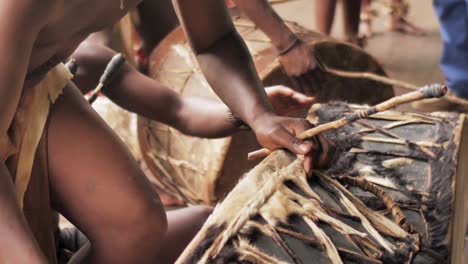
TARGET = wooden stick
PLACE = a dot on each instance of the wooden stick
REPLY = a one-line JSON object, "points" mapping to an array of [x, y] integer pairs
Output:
{"points": [[109, 73], [370, 76], [386, 80], [279, 240], [356, 257], [72, 66], [308, 239], [398, 141], [428, 91]]}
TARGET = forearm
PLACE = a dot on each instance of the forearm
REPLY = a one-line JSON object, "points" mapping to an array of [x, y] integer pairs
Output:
{"points": [[17, 245], [228, 67], [206, 118], [266, 18], [137, 93], [193, 116]]}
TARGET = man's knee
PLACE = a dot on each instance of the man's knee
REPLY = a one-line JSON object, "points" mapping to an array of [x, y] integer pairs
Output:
{"points": [[144, 224], [149, 223]]}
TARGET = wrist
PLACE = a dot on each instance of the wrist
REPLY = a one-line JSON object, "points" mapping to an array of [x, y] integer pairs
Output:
{"points": [[236, 121], [259, 119], [288, 46]]}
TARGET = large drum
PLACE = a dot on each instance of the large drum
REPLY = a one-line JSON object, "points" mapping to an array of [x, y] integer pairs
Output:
{"points": [[199, 170], [396, 192], [122, 122]]}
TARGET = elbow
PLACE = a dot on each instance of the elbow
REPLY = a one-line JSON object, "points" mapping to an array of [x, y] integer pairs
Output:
{"points": [[230, 36]]}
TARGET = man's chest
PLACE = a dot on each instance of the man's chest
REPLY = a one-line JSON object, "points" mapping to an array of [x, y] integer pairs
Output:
{"points": [[73, 18], [70, 22]]}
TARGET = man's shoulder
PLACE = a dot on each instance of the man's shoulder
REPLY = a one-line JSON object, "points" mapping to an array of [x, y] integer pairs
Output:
{"points": [[33, 9]]}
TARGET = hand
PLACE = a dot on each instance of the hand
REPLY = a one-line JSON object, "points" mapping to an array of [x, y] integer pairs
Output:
{"points": [[285, 100], [299, 60], [300, 64], [275, 132]]}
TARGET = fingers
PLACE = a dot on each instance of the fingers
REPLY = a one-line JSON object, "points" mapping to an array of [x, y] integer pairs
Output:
{"points": [[328, 150], [302, 98], [287, 140], [311, 158], [320, 155], [308, 164], [280, 90], [293, 98]]}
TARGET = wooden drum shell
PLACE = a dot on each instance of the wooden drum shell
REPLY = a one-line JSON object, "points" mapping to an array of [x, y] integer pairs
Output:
{"points": [[430, 194]]}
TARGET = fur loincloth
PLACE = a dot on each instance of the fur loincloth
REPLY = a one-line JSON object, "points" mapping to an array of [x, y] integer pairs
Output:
{"points": [[20, 144]]}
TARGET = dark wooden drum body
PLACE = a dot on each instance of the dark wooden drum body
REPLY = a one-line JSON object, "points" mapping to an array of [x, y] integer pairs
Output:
{"points": [[396, 192], [201, 170]]}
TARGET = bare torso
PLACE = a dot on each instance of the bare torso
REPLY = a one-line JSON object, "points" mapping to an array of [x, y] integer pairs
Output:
{"points": [[69, 23]]}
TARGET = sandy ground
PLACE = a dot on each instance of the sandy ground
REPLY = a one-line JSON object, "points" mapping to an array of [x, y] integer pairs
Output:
{"points": [[409, 58]]}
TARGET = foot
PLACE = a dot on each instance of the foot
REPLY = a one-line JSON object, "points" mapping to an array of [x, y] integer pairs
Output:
{"points": [[402, 25], [365, 29]]}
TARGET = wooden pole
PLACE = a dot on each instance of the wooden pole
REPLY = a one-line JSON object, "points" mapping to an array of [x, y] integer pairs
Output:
{"points": [[428, 91], [109, 73]]}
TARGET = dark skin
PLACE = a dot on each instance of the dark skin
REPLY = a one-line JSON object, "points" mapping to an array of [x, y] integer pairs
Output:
{"points": [[325, 13], [137, 93], [140, 94], [300, 59], [215, 42], [395, 22], [93, 186]]}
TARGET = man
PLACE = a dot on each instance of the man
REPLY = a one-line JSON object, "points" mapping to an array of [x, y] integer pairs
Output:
{"points": [[138, 93], [396, 12], [93, 180], [295, 56], [453, 19]]}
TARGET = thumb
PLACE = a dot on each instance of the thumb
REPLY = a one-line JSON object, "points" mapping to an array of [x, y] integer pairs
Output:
{"points": [[304, 99], [297, 146]]}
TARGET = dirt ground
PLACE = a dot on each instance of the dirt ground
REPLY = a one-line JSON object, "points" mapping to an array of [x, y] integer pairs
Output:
{"points": [[409, 58]]}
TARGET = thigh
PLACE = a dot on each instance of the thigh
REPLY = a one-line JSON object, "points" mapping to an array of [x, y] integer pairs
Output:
{"points": [[183, 225], [95, 182]]}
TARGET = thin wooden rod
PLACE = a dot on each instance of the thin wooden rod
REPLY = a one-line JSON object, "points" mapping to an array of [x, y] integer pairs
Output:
{"points": [[428, 91]]}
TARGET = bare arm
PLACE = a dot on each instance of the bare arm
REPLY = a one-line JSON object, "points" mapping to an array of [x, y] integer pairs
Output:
{"points": [[20, 21], [266, 18], [295, 56], [217, 45], [140, 94], [191, 115], [228, 67]]}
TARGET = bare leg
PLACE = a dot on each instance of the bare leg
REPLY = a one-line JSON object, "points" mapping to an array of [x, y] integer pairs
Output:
{"points": [[365, 26], [398, 22], [324, 15], [352, 10], [183, 226], [98, 186]]}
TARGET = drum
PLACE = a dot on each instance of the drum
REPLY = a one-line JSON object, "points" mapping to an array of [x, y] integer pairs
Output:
{"points": [[396, 192], [199, 170], [122, 122]]}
